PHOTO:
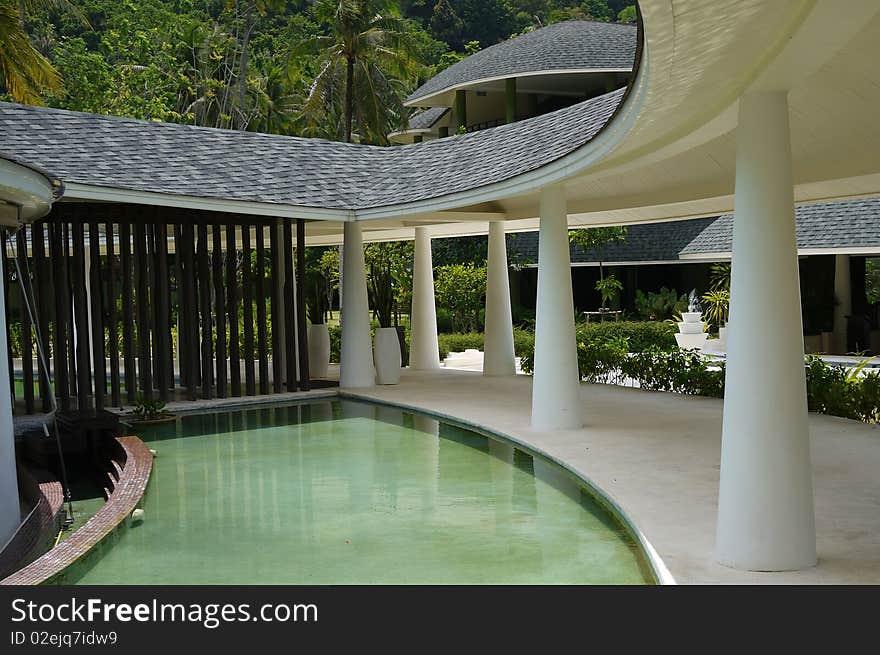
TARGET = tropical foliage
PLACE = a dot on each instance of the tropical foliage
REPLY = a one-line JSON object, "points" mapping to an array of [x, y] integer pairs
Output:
{"points": [[277, 66]]}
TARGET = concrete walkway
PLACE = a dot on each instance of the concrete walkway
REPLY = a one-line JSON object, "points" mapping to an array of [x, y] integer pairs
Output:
{"points": [[657, 455]]}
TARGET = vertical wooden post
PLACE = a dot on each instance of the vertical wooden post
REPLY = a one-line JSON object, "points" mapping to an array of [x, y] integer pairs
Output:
{"points": [[205, 308], [232, 301], [26, 343], [248, 300], [143, 310], [302, 336], [112, 316], [289, 306], [42, 289], [97, 328], [262, 344], [59, 332], [68, 293], [191, 309], [81, 317], [276, 287], [125, 273], [219, 308], [162, 290]]}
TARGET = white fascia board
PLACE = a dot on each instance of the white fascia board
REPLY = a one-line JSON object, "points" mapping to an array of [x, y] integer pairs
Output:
{"points": [[432, 97], [77, 191], [858, 251]]}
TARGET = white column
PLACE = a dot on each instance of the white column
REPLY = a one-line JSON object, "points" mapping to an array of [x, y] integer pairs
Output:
{"points": [[424, 351], [843, 296], [356, 365], [498, 354], [10, 512], [556, 382], [765, 504]]}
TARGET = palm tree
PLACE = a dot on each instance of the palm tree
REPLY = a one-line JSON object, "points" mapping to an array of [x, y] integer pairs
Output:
{"points": [[363, 64], [25, 71]]}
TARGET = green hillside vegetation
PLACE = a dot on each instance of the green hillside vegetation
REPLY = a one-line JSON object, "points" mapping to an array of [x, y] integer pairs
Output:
{"points": [[259, 65]]}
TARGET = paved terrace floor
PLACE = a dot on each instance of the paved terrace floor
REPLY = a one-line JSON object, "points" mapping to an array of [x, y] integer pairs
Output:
{"points": [[657, 455]]}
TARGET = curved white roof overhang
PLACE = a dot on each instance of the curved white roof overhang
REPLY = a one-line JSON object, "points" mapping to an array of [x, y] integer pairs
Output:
{"points": [[669, 152], [25, 194]]}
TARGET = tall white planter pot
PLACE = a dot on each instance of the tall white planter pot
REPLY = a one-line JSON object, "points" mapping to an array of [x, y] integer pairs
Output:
{"points": [[319, 350], [386, 356]]}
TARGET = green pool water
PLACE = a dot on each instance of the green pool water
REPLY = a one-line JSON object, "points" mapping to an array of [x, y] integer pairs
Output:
{"points": [[351, 493]]}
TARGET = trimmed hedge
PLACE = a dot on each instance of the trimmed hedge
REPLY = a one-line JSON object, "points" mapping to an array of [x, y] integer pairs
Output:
{"points": [[523, 341], [640, 335]]}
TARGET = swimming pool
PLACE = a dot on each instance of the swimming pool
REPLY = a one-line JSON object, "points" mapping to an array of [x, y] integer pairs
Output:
{"points": [[343, 492]]}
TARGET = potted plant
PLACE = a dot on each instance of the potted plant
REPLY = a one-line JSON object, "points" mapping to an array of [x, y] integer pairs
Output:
{"points": [[148, 412], [608, 287], [322, 279], [386, 264]]}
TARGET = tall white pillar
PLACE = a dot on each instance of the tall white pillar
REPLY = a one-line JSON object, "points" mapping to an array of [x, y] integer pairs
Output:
{"points": [[10, 512], [424, 351], [843, 296], [556, 381], [498, 353], [356, 358], [765, 503]]}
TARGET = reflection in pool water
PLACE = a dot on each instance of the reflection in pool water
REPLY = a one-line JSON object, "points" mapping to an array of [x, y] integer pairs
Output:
{"points": [[346, 493]]}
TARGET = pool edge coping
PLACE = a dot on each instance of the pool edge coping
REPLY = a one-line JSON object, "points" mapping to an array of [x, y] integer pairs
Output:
{"points": [[660, 571], [125, 497]]}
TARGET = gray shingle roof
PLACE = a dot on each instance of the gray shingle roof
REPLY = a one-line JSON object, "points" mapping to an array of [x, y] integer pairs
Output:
{"points": [[850, 223], [175, 159], [845, 224], [425, 119], [571, 45], [652, 242]]}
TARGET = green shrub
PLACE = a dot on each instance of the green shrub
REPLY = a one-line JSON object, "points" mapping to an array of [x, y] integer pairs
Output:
{"points": [[641, 335], [850, 394], [459, 342], [682, 371], [660, 305]]}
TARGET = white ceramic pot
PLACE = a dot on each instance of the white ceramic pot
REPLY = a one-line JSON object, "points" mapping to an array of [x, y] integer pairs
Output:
{"points": [[691, 328], [691, 317], [386, 356], [319, 350]]}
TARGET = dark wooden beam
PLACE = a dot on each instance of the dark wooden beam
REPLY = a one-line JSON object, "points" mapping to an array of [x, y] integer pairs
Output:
{"points": [[112, 316], [302, 335], [26, 343], [262, 336], [276, 288], [219, 309], [99, 370], [142, 281], [71, 323], [204, 274], [232, 307], [190, 347], [289, 301], [42, 289], [126, 275], [248, 311], [162, 291], [62, 314], [81, 317]]}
